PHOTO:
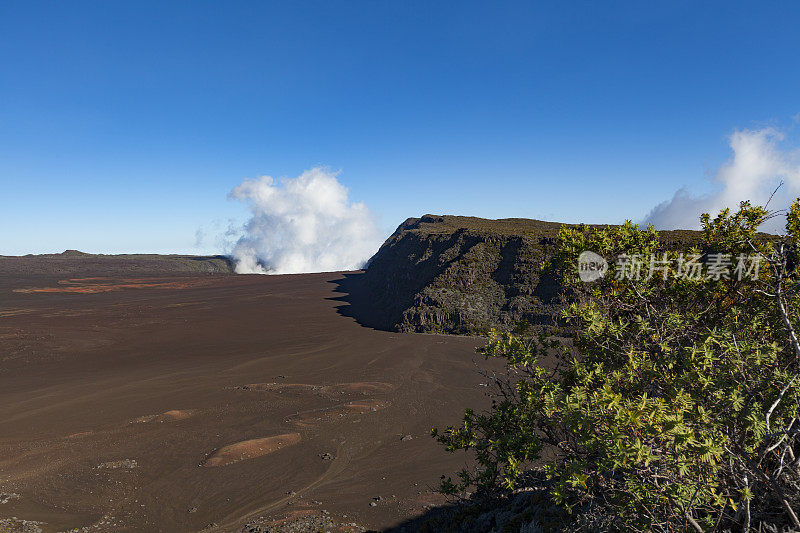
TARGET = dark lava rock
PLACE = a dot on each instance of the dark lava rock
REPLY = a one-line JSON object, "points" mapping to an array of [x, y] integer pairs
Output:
{"points": [[463, 275]]}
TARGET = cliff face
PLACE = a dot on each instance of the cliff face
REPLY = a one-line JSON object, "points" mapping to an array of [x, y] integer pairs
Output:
{"points": [[462, 275]]}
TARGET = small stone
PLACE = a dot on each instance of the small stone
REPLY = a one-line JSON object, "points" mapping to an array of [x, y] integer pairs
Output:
{"points": [[372, 504], [6, 497], [406, 438], [192, 510]]}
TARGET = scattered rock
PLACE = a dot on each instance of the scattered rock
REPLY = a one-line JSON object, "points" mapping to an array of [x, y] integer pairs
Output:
{"points": [[18, 525], [192, 510], [6, 497], [406, 438], [372, 504], [128, 464], [326, 456], [300, 521]]}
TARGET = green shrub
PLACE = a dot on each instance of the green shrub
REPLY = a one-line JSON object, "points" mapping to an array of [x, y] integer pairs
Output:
{"points": [[675, 406]]}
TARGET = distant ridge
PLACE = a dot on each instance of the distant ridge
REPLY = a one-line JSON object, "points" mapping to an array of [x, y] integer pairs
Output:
{"points": [[74, 262], [73, 253]]}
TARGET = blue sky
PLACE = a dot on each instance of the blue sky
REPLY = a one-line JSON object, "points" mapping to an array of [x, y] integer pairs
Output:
{"points": [[124, 125]]}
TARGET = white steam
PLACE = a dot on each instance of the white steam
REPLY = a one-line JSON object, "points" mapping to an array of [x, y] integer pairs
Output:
{"points": [[303, 224], [758, 164]]}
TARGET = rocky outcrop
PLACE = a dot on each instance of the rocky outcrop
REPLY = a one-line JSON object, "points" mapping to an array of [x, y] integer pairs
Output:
{"points": [[463, 275]]}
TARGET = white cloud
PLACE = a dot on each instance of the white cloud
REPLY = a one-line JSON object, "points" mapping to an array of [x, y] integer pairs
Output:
{"points": [[760, 161], [303, 224]]}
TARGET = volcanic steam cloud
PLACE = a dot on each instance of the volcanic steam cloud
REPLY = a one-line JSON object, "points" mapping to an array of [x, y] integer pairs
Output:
{"points": [[303, 224]]}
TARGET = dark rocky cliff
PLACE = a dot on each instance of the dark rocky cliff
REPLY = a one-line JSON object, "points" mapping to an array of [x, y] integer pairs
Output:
{"points": [[462, 274], [450, 274]]}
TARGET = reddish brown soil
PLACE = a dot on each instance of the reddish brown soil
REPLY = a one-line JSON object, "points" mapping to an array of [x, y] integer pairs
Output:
{"points": [[169, 416], [95, 285], [250, 449], [110, 402]]}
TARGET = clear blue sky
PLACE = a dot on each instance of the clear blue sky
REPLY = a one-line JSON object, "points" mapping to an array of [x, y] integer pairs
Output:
{"points": [[123, 125]]}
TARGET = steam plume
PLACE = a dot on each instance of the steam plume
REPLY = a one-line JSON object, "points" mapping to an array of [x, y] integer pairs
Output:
{"points": [[758, 164], [303, 224]]}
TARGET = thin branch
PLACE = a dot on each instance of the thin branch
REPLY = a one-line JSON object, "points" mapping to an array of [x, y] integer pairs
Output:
{"points": [[775, 404], [746, 507], [773, 194]]}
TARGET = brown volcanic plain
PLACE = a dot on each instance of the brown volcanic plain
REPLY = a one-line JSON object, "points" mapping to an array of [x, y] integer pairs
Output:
{"points": [[136, 400]]}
